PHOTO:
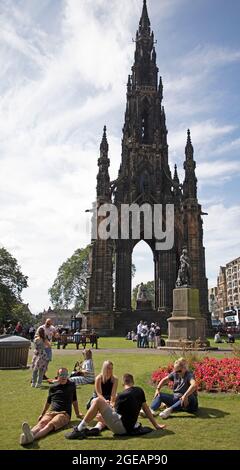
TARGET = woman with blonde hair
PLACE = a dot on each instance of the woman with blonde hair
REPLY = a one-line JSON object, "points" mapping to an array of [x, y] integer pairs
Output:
{"points": [[184, 396], [105, 387]]}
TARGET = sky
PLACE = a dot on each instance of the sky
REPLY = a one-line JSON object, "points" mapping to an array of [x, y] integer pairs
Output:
{"points": [[63, 72]]}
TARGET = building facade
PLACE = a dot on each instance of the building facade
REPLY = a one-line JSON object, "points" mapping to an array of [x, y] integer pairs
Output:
{"points": [[233, 283], [59, 317], [145, 178], [221, 293], [213, 303]]}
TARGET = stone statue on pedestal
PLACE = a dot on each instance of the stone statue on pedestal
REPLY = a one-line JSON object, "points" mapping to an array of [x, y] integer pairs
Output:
{"points": [[142, 292], [183, 279], [143, 300]]}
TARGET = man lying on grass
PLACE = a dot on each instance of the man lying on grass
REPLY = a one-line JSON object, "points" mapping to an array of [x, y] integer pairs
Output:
{"points": [[122, 419], [61, 397]]}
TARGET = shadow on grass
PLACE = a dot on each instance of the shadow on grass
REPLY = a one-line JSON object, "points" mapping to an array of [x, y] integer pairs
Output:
{"points": [[155, 434], [203, 413], [209, 413]]}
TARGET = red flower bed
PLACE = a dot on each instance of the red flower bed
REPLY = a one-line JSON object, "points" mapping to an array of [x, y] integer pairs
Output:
{"points": [[221, 375]]}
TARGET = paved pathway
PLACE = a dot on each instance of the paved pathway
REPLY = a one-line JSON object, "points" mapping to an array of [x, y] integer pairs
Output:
{"points": [[163, 351]]}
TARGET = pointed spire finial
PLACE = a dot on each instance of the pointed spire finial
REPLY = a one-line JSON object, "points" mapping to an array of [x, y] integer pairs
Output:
{"points": [[144, 23], [104, 143], [189, 146], [176, 178]]}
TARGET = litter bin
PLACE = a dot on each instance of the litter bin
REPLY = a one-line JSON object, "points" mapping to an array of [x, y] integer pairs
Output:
{"points": [[13, 352]]}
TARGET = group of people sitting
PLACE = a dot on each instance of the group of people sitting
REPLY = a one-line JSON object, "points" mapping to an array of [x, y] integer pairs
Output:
{"points": [[117, 412], [218, 339]]}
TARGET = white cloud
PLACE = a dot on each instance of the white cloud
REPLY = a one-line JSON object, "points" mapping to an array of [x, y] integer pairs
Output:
{"points": [[228, 147]]}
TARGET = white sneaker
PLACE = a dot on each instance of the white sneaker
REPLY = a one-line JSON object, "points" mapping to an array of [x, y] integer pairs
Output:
{"points": [[27, 433], [166, 413], [22, 440], [154, 412], [142, 414], [33, 385], [38, 386]]}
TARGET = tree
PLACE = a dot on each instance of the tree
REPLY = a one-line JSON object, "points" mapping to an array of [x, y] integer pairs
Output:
{"points": [[150, 288], [12, 282], [69, 289]]}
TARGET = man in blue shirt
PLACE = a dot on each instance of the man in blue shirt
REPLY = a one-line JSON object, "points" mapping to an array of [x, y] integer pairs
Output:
{"points": [[184, 396]]}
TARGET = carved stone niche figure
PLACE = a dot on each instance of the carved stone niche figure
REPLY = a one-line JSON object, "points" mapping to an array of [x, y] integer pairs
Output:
{"points": [[183, 279], [142, 292]]}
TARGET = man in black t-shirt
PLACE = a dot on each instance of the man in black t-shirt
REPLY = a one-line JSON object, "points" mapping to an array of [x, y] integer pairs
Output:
{"points": [[62, 395], [122, 419]]}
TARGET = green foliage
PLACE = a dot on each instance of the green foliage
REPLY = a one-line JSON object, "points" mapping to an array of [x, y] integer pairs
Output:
{"points": [[12, 282], [69, 287], [21, 312], [150, 288]]}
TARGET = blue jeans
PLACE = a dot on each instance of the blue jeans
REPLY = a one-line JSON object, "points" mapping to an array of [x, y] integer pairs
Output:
{"points": [[174, 402], [49, 353]]}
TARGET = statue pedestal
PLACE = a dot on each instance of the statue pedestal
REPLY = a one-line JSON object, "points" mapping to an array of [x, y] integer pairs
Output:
{"points": [[186, 326], [144, 304]]}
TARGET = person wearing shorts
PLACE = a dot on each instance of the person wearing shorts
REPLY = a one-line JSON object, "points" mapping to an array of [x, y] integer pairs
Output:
{"points": [[122, 419], [57, 410]]}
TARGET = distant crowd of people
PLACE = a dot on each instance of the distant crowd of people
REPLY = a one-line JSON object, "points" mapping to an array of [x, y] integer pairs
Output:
{"points": [[147, 336], [218, 338], [19, 329]]}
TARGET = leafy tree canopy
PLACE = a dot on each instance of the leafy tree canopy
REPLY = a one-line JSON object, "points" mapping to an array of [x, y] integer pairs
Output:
{"points": [[69, 287], [12, 282]]}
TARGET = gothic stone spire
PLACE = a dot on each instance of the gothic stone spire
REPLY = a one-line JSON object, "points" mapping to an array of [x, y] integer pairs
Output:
{"points": [[103, 179], [190, 182]]}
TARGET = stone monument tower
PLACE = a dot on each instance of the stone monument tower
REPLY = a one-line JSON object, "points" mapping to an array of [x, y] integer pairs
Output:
{"points": [[144, 177]]}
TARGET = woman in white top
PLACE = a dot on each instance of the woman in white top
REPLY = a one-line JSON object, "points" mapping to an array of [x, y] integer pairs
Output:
{"points": [[87, 375]]}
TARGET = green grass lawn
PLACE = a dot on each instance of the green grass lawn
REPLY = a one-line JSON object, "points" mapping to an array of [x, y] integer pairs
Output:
{"points": [[216, 425]]}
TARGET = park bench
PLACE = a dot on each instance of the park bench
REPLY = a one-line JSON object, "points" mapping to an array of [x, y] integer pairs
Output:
{"points": [[79, 339]]}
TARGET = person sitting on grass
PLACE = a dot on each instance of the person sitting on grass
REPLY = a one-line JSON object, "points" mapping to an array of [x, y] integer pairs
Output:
{"points": [[217, 338], [105, 387], [122, 419], [62, 395], [184, 396], [83, 372], [86, 373]]}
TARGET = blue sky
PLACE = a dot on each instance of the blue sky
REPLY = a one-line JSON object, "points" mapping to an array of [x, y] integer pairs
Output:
{"points": [[63, 73]]}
